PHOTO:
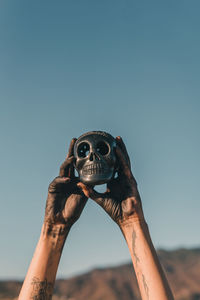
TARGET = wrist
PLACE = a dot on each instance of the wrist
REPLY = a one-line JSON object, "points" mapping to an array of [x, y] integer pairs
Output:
{"points": [[134, 220], [51, 229], [54, 234], [133, 224]]}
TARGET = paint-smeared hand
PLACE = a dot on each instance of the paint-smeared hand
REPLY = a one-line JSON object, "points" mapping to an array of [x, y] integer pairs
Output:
{"points": [[65, 200], [121, 200]]}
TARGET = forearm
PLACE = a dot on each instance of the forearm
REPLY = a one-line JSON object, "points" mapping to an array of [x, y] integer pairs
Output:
{"points": [[152, 282], [40, 279]]}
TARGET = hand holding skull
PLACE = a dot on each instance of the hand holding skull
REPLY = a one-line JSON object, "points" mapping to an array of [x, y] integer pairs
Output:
{"points": [[121, 200], [65, 200]]}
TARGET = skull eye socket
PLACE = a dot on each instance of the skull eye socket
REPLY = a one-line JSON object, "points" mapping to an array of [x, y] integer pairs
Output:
{"points": [[83, 150], [102, 148]]}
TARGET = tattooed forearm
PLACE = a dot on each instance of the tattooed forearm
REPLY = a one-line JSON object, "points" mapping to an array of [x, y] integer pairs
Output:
{"points": [[133, 246], [42, 290], [145, 286]]}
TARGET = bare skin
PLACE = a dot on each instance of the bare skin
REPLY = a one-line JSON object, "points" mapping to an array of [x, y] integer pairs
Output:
{"points": [[65, 202], [123, 204]]}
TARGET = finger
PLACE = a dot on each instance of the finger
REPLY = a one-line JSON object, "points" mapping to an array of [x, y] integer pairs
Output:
{"points": [[65, 167], [121, 144], [71, 148], [61, 180], [123, 163], [91, 193], [71, 171], [58, 181]]}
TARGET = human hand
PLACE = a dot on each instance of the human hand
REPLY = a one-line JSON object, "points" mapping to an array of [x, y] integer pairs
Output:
{"points": [[121, 199], [65, 200]]}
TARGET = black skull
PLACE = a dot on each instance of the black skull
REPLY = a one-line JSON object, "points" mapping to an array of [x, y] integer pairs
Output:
{"points": [[95, 157]]}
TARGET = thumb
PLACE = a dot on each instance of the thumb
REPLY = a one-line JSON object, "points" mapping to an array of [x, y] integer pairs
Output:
{"points": [[91, 193]]}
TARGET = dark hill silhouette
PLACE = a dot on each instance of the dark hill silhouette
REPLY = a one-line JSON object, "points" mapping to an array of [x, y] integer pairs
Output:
{"points": [[182, 268]]}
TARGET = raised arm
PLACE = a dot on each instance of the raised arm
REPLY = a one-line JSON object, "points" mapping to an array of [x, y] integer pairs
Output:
{"points": [[122, 202], [64, 205]]}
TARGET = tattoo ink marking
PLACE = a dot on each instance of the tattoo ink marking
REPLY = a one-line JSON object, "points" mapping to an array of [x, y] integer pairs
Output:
{"points": [[42, 290], [55, 232], [133, 247], [145, 286]]}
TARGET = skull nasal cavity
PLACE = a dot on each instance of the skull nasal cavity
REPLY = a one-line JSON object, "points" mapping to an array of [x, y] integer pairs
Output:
{"points": [[93, 156]]}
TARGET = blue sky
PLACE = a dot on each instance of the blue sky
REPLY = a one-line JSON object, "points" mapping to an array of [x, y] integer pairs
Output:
{"points": [[131, 68]]}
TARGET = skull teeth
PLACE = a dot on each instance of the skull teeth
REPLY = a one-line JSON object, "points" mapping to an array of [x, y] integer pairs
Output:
{"points": [[97, 168]]}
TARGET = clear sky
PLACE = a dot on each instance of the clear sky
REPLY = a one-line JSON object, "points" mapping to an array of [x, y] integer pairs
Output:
{"points": [[131, 68]]}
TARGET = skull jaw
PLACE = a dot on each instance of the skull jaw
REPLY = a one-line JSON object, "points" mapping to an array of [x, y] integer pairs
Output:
{"points": [[96, 179]]}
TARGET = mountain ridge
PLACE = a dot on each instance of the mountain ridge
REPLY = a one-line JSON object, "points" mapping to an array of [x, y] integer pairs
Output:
{"points": [[182, 268]]}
